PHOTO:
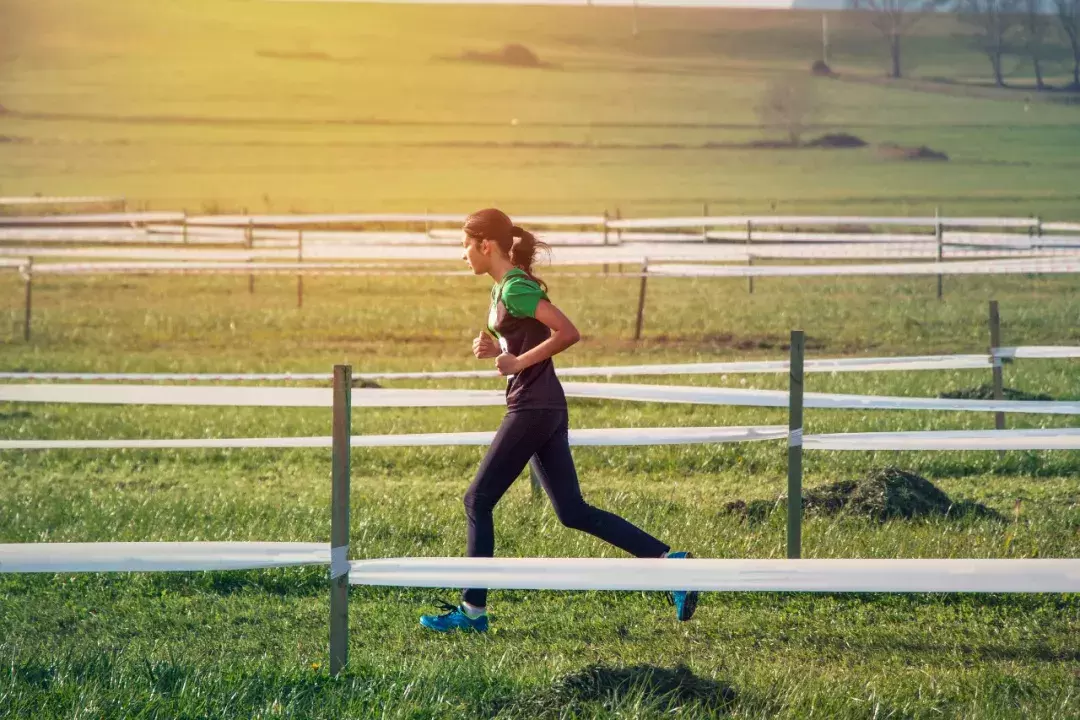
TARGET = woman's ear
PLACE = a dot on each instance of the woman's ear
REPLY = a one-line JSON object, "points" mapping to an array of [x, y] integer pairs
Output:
{"points": [[485, 246]]}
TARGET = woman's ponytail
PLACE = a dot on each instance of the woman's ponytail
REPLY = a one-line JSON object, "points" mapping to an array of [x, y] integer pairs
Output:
{"points": [[523, 252], [520, 245]]}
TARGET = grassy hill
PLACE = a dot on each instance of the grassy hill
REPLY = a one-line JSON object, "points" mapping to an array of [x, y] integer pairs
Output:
{"points": [[281, 106]]}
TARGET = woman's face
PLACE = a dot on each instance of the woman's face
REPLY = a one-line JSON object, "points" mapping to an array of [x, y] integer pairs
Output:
{"points": [[477, 253]]}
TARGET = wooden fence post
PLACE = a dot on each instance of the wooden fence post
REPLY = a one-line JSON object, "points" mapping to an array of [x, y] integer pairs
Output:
{"points": [[995, 360], [249, 236], [704, 227], [749, 255], [300, 273], [28, 277], [795, 441], [939, 236], [339, 520], [534, 480], [641, 299]]}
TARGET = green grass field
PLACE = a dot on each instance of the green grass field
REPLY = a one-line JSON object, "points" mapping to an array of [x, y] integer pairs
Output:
{"points": [[230, 104], [312, 107], [255, 644]]}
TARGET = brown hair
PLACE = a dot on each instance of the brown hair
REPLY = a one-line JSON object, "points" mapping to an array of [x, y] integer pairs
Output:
{"points": [[519, 245]]}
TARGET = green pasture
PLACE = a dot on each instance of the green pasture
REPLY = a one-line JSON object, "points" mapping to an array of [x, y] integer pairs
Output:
{"points": [[220, 105], [255, 644]]}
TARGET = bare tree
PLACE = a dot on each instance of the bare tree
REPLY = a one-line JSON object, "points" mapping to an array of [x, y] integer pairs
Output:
{"points": [[994, 21], [791, 104], [1036, 26], [1068, 13], [894, 19]]}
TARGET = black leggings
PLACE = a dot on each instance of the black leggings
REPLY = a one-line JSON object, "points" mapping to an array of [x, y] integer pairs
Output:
{"points": [[541, 435]]}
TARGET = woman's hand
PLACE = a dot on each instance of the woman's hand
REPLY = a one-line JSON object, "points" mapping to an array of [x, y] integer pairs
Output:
{"points": [[484, 347], [508, 364]]}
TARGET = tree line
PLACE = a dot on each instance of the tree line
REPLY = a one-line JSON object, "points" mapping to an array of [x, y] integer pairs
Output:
{"points": [[1028, 28]]}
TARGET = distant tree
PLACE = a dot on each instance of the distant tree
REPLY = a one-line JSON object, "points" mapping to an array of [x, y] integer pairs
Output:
{"points": [[1036, 26], [790, 104], [994, 22], [894, 19], [1068, 14]]}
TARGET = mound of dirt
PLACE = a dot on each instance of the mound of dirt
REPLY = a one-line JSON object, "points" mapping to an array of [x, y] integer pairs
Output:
{"points": [[986, 392], [513, 55], [309, 55], [884, 494], [837, 140], [668, 690], [771, 144], [831, 140], [820, 69], [901, 152]]}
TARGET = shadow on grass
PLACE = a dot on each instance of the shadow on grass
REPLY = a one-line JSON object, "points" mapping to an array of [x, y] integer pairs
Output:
{"points": [[285, 582], [16, 415], [633, 688]]}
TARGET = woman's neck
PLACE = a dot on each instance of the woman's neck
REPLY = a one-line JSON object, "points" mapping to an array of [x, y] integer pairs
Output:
{"points": [[499, 267]]}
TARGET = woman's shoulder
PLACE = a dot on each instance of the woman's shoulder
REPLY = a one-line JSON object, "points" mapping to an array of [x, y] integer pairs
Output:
{"points": [[517, 281]]}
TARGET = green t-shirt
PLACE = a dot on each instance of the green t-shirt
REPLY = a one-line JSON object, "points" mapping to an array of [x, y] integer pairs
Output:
{"points": [[512, 319], [520, 295]]}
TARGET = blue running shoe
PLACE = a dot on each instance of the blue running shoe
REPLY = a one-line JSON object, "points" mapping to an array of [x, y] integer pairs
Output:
{"points": [[685, 601], [454, 619]]}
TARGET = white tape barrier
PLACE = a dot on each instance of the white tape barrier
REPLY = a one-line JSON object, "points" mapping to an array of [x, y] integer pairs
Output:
{"points": [[1042, 352], [978, 575], [927, 362], [361, 218], [138, 254], [1045, 265], [1013, 240], [286, 268], [883, 364], [599, 437], [761, 236], [177, 377], [140, 218], [1061, 227], [780, 221], [1056, 439], [1056, 576], [243, 396], [780, 398], [134, 259], [1002, 267], [239, 396], [74, 235], [153, 556]]}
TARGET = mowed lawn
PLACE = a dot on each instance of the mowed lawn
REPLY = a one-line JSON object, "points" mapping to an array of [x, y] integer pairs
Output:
{"points": [[215, 105], [254, 644], [230, 105]]}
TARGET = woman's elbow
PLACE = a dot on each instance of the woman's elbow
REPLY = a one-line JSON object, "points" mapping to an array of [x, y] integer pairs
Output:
{"points": [[572, 335]]}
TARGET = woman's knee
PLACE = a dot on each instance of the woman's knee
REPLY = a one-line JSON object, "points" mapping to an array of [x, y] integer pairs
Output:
{"points": [[477, 502], [577, 517]]}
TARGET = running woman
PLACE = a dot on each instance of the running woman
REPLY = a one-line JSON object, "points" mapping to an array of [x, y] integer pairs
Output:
{"points": [[530, 330]]}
